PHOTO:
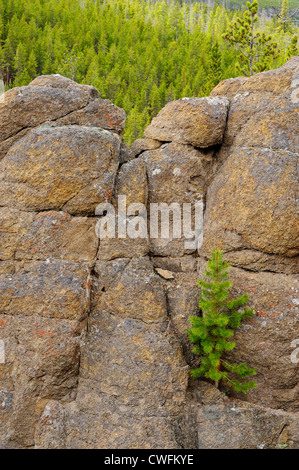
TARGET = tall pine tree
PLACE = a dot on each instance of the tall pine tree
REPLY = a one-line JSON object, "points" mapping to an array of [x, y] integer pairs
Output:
{"points": [[257, 49]]}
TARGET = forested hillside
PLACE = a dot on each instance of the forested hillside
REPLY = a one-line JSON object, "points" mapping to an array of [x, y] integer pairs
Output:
{"points": [[139, 54]]}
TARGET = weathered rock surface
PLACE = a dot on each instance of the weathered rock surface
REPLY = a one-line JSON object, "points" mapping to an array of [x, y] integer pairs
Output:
{"points": [[98, 113], [45, 235], [55, 100], [253, 205], [196, 121], [96, 351], [70, 168], [131, 188], [141, 145], [264, 428], [176, 173], [120, 359], [263, 109]]}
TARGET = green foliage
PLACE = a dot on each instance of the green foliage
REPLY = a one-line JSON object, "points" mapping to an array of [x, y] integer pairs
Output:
{"points": [[284, 19], [292, 48], [214, 66], [212, 332], [266, 4], [139, 54], [257, 48]]}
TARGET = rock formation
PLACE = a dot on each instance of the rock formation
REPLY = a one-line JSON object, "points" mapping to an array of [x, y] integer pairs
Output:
{"points": [[96, 351]]}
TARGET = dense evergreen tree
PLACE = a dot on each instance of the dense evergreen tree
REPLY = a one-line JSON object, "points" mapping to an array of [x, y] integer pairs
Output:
{"points": [[139, 54]]}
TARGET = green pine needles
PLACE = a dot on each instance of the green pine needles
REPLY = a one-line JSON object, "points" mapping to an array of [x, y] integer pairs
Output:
{"points": [[212, 332], [257, 48]]}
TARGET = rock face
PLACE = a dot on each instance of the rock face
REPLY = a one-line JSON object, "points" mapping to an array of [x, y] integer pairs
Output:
{"points": [[262, 217], [72, 168], [96, 351], [264, 428], [263, 109]]}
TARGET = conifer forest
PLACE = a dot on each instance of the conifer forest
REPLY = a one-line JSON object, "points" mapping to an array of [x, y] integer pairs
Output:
{"points": [[142, 54]]}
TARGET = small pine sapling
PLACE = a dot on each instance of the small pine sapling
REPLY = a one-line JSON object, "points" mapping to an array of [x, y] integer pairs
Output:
{"points": [[212, 332]]}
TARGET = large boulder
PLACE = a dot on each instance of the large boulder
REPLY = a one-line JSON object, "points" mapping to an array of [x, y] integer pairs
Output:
{"points": [[70, 168], [131, 183], [56, 100], [196, 121], [253, 205], [263, 109], [255, 223]]}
